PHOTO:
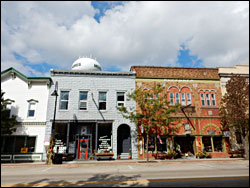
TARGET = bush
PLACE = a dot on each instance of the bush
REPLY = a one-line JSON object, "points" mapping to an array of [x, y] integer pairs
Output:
{"points": [[171, 154], [202, 155]]}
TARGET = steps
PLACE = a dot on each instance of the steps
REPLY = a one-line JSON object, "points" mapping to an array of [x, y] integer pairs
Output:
{"points": [[124, 155]]}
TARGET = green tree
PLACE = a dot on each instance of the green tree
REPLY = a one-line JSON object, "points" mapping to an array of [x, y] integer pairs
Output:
{"points": [[153, 110], [7, 122], [234, 108]]}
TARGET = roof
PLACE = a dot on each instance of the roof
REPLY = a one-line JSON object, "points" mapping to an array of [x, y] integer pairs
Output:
{"points": [[12, 70], [176, 72], [79, 72]]}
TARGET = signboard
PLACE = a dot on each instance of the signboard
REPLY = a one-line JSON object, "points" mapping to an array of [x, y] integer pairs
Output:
{"points": [[104, 143], [59, 147]]}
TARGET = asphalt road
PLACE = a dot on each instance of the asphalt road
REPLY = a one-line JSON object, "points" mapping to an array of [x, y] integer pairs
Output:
{"points": [[181, 174]]}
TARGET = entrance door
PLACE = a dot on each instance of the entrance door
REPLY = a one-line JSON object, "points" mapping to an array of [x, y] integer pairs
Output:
{"points": [[124, 139], [83, 148], [186, 143]]}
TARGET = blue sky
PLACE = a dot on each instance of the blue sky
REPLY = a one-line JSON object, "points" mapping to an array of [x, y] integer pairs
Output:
{"points": [[39, 36]]}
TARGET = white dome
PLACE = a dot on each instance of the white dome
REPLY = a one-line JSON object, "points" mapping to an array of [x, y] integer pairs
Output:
{"points": [[86, 64]]}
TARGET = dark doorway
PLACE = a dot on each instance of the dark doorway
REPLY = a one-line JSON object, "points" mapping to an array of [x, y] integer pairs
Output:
{"points": [[123, 139], [186, 143]]}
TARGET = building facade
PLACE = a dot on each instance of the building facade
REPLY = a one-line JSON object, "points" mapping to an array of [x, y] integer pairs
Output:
{"points": [[225, 74], [87, 121], [28, 100], [199, 129]]}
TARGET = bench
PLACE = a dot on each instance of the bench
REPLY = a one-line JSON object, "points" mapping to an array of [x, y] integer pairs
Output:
{"points": [[104, 156]]}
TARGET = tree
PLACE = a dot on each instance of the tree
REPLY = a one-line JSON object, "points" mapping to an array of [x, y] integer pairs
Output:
{"points": [[7, 122], [153, 110], [234, 108]]}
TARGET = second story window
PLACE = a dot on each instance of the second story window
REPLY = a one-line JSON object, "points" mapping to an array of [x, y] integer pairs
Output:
{"points": [[83, 100], [177, 98], [64, 100], [183, 100], [208, 99], [102, 100], [189, 98], [171, 98], [202, 99], [32, 108], [120, 98], [213, 99]]}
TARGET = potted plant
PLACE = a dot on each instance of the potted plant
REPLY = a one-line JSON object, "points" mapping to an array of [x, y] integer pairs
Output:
{"points": [[118, 157]]}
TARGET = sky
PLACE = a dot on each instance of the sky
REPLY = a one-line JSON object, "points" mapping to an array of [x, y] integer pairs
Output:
{"points": [[37, 36]]}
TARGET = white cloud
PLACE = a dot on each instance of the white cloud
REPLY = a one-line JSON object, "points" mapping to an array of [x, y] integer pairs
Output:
{"points": [[135, 33]]}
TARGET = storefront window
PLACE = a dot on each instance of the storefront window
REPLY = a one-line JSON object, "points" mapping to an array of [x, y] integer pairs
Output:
{"points": [[217, 144], [14, 144], [206, 140]]}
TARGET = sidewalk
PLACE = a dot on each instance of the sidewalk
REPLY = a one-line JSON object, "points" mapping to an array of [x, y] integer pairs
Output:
{"points": [[122, 161]]}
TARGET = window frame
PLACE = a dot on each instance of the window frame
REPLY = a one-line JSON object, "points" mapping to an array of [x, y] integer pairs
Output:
{"points": [[213, 100], [64, 100], [177, 97], [120, 102], [29, 109], [202, 96], [83, 101], [172, 101], [183, 94], [102, 101], [189, 98], [207, 99]]}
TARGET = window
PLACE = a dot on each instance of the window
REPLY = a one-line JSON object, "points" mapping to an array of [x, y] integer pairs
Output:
{"points": [[177, 98], [102, 100], [217, 144], [31, 111], [64, 99], [202, 99], [183, 100], [171, 98], [189, 98], [206, 140], [83, 100], [13, 144], [208, 99], [213, 99], [120, 98]]}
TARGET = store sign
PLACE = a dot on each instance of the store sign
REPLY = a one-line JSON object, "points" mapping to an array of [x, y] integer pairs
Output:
{"points": [[104, 143]]}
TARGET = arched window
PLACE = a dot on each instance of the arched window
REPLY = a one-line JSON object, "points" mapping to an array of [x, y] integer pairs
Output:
{"points": [[182, 96], [207, 98]]}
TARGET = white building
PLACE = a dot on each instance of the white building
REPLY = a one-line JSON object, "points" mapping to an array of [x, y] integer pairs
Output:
{"points": [[29, 97], [87, 120]]}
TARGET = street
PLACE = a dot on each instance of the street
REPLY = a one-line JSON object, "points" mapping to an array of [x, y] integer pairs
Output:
{"points": [[229, 173]]}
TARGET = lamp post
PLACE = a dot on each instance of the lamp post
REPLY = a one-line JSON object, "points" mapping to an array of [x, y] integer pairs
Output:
{"points": [[54, 94], [50, 154]]}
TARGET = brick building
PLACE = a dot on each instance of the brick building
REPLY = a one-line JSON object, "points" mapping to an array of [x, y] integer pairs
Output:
{"points": [[197, 88]]}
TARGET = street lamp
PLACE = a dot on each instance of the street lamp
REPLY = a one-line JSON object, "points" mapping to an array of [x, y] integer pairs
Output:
{"points": [[54, 94], [50, 154]]}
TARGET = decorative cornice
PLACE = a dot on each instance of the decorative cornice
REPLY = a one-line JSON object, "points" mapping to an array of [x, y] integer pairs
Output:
{"points": [[31, 123]]}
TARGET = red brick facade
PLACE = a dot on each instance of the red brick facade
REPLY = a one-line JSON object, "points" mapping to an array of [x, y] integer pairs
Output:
{"points": [[199, 87]]}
